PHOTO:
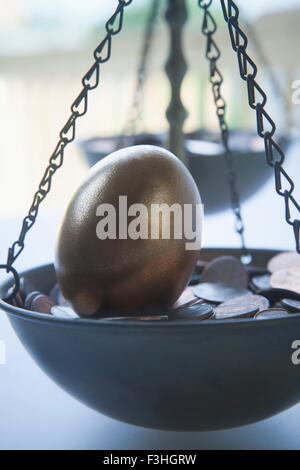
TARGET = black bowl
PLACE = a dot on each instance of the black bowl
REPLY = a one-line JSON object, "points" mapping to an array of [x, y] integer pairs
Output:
{"points": [[205, 161], [207, 165], [167, 375]]}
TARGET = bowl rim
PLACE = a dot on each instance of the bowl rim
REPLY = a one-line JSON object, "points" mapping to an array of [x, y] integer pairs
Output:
{"points": [[35, 317]]}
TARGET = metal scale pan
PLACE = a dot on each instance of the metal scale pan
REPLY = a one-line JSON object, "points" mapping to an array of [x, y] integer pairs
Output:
{"points": [[190, 376], [183, 375]]}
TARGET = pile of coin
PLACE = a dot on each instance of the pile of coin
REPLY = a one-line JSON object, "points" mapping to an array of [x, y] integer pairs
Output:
{"points": [[221, 289], [52, 303]]}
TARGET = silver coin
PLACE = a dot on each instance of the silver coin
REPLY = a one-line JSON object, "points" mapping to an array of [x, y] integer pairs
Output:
{"points": [[271, 314], [198, 311], [284, 260], [63, 311], [38, 302], [29, 299], [235, 311], [226, 270], [244, 301], [291, 305], [218, 292], [288, 279]]}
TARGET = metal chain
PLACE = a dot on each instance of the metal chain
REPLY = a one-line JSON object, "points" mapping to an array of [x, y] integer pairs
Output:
{"points": [[274, 80], [135, 112], [213, 54], [266, 127], [79, 107]]}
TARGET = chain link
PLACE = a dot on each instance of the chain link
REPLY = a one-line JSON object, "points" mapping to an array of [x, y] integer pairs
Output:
{"points": [[67, 134], [135, 112], [266, 127], [213, 54]]}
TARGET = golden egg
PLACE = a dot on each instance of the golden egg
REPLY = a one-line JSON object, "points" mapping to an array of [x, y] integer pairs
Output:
{"points": [[114, 252]]}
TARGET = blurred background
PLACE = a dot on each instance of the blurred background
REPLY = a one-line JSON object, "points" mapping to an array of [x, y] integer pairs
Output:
{"points": [[46, 47]]}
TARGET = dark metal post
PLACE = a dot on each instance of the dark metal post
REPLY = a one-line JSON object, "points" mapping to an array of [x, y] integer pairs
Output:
{"points": [[176, 67]]}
